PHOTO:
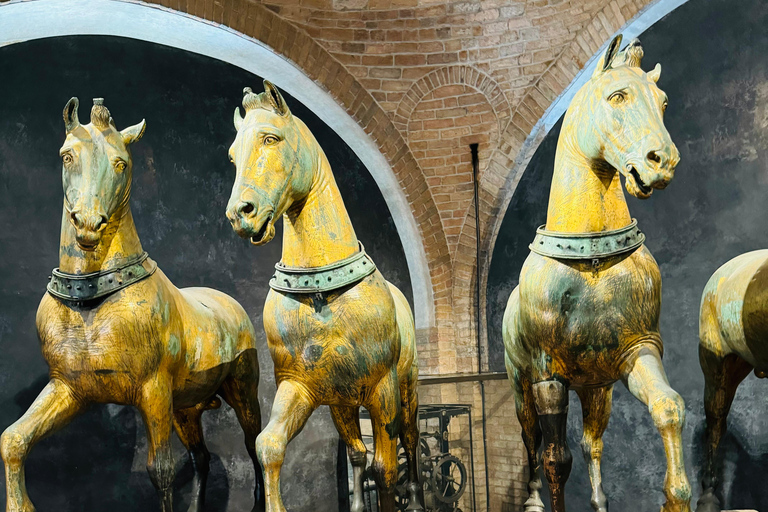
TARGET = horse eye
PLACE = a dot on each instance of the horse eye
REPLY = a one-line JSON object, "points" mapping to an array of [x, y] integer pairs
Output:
{"points": [[270, 139], [120, 166], [67, 159], [664, 106], [617, 97]]}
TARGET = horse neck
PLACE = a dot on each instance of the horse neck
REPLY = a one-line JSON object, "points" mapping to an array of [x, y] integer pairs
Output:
{"points": [[585, 196], [119, 243], [317, 231]]}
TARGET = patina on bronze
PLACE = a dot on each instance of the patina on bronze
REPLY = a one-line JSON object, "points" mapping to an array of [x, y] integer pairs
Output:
{"points": [[86, 287], [114, 329], [575, 324], [733, 341], [353, 345], [323, 279]]}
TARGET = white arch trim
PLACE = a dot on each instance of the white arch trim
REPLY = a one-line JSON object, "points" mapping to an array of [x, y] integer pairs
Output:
{"points": [[27, 20]]}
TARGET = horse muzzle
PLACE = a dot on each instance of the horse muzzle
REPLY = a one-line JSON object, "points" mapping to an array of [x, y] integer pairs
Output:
{"points": [[88, 229], [248, 222]]}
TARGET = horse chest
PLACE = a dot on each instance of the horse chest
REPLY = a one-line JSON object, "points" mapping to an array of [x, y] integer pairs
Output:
{"points": [[587, 319], [111, 340]]}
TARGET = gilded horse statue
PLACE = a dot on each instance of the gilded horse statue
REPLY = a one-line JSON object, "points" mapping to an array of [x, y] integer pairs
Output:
{"points": [[586, 311], [338, 332], [733, 341], [114, 329]]}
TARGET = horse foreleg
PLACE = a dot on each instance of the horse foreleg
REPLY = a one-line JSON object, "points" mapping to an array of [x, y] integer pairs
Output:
{"points": [[290, 411], [241, 391], [347, 421], [722, 376], [551, 399], [531, 431], [648, 382], [596, 408], [385, 411], [52, 409], [156, 407], [409, 437], [190, 432]]}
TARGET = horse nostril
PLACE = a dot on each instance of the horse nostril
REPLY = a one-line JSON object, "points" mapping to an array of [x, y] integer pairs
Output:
{"points": [[654, 157], [246, 208], [76, 220], [100, 224]]}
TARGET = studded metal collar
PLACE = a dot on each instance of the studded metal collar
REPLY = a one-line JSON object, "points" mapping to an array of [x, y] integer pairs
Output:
{"points": [[587, 246], [323, 279], [85, 287]]}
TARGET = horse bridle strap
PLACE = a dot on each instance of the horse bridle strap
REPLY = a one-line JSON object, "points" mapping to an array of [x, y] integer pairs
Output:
{"points": [[323, 279], [587, 246], [85, 287]]}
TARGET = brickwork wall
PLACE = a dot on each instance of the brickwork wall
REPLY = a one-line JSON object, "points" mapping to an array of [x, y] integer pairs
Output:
{"points": [[425, 78]]}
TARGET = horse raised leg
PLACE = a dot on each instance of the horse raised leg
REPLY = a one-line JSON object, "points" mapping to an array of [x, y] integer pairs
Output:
{"points": [[551, 399], [241, 392], [409, 437], [347, 421], [648, 382], [596, 409], [187, 424], [722, 376], [386, 419], [529, 421], [52, 409], [156, 407], [290, 412]]}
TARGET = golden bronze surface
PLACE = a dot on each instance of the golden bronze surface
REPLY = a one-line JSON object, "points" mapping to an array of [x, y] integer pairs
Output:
{"points": [[585, 324], [164, 350], [733, 329], [350, 347]]}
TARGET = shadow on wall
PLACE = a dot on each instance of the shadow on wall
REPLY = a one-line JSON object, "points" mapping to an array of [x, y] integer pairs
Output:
{"points": [[715, 73], [181, 184]]}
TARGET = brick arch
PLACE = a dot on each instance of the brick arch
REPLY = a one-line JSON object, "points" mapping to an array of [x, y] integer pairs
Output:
{"points": [[520, 139], [451, 75]]}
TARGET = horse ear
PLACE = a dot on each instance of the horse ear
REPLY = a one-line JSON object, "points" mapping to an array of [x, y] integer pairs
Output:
{"points": [[655, 73], [70, 114], [276, 99], [238, 119], [133, 133], [604, 64]]}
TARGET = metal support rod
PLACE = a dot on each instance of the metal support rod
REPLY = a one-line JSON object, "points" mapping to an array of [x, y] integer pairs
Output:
{"points": [[475, 172]]}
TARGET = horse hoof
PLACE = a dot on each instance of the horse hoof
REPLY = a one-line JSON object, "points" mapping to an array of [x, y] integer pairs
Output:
{"points": [[414, 506], [534, 504], [708, 502]]}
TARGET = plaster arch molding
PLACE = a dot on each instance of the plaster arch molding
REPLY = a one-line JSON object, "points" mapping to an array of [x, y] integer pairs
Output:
{"points": [[221, 35]]}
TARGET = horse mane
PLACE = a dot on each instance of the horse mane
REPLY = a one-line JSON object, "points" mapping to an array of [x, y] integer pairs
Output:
{"points": [[100, 116], [252, 101], [632, 54]]}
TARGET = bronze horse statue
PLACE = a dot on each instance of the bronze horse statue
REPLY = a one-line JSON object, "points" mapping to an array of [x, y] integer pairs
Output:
{"points": [[114, 329], [338, 332], [733, 331], [586, 311]]}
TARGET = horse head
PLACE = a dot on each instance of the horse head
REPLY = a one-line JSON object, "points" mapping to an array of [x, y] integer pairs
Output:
{"points": [[275, 162], [96, 170], [618, 119]]}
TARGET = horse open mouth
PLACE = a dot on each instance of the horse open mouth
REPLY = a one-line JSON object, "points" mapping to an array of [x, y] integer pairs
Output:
{"points": [[258, 238], [644, 189]]}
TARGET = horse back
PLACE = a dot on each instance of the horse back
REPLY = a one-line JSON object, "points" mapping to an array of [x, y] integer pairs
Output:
{"points": [[734, 309]]}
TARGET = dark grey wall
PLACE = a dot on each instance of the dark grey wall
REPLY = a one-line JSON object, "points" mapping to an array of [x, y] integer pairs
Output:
{"points": [[715, 71], [182, 180]]}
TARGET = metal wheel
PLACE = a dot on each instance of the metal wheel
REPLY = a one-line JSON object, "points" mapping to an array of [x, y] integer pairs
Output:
{"points": [[449, 479]]}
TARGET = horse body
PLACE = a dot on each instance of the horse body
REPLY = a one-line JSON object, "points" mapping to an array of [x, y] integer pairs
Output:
{"points": [[345, 347], [733, 330], [585, 323], [193, 334], [166, 351], [584, 328]]}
